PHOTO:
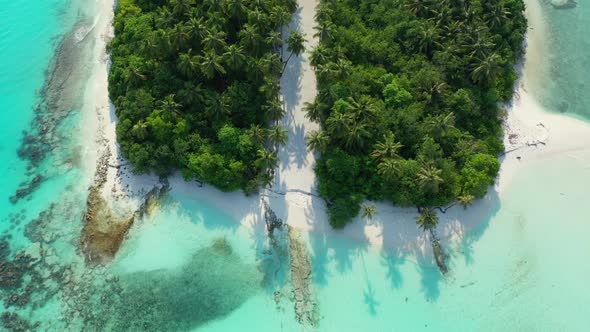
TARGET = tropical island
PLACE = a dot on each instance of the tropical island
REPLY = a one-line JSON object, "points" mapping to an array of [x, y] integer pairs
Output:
{"points": [[408, 99], [207, 214]]}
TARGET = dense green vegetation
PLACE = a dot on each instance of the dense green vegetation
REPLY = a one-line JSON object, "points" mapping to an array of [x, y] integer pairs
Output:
{"points": [[408, 100], [195, 84]]}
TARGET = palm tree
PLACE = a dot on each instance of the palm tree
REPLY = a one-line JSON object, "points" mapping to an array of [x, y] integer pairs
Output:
{"points": [[323, 13], [255, 72], [192, 94], [258, 18], [150, 45], [234, 57], [319, 56], [197, 30], [356, 136], [213, 6], [487, 69], [250, 37], [325, 30], [295, 45], [180, 36], [497, 14], [257, 133], [441, 124], [134, 74], [388, 148], [338, 123], [325, 71], [163, 41], [214, 107], [479, 45], [165, 17], [317, 140], [369, 211], [140, 130], [465, 200], [266, 159], [274, 39], [211, 64], [429, 178], [271, 64], [280, 17], [260, 4], [427, 220], [188, 65], [215, 40], [363, 108], [277, 136], [266, 179], [417, 7], [312, 111], [270, 88], [169, 106], [182, 7], [428, 40], [274, 110], [341, 68], [389, 168], [235, 8]]}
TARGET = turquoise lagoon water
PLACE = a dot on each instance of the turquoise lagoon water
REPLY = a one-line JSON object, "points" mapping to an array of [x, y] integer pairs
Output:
{"points": [[566, 78], [189, 266]]}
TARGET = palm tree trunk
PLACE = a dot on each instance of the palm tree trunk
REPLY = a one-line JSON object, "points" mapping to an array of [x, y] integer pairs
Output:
{"points": [[287, 62]]}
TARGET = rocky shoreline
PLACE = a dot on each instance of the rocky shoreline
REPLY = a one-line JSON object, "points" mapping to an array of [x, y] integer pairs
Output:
{"points": [[104, 229]]}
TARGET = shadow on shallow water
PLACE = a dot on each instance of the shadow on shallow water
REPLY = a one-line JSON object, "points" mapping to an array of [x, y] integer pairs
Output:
{"points": [[213, 283]]}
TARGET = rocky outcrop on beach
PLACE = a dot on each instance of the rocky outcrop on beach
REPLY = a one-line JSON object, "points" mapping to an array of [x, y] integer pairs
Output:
{"points": [[306, 310], [271, 220], [104, 230], [440, 256]]}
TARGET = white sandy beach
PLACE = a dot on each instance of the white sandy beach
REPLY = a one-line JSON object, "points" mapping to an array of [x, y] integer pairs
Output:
{"points": [[392, 227]]}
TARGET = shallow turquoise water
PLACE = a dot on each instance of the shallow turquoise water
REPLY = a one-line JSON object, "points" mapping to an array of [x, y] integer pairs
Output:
{"points": [[191, 267], [566, 80]]}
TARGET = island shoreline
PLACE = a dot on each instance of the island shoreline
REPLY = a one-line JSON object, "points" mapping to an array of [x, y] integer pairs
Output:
{"points": [[526, 124]]}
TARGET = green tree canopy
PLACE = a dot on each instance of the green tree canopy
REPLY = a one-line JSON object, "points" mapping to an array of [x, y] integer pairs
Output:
{"points": [[195, 85], [408, 99]]}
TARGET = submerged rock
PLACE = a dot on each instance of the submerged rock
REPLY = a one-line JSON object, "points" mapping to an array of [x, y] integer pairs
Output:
{"points": [[564, 4], [27, 188], [34, 251], [563, 107], [11, 321], [222, 246], [305, 303]]}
